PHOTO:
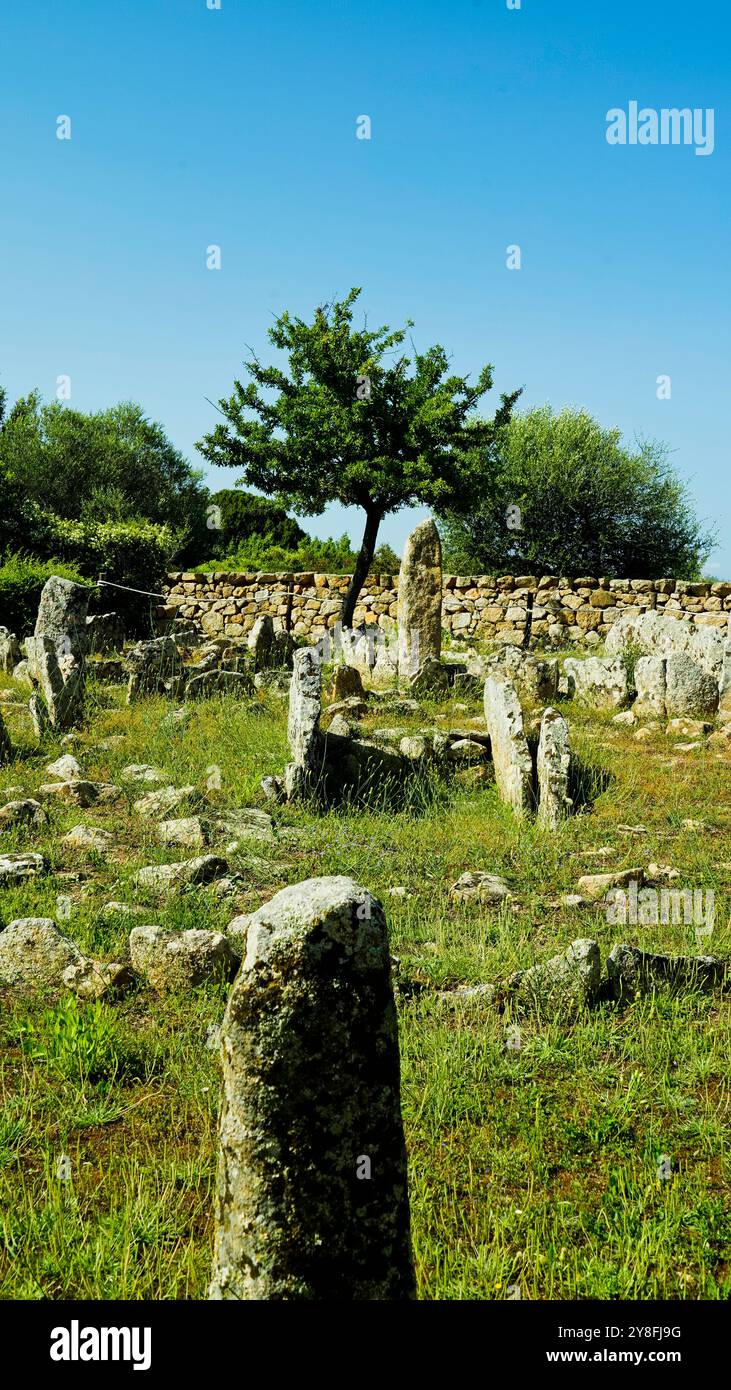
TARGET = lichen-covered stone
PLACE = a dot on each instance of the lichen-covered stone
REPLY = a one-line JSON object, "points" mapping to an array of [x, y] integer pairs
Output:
{"points": [[420, 600], [553, 770], [179, 959], [562, 986], [600, 682], [633, 972], [34, 955], [312, 1200], [510, 752]]}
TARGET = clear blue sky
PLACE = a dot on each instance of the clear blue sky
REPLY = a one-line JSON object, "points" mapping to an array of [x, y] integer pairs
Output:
{"points": [[236, 126]]}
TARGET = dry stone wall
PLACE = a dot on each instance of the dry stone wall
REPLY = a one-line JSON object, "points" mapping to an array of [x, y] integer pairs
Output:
{"points": [[474, 606]]}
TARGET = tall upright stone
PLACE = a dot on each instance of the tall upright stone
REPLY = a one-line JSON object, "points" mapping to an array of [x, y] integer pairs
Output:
{"points": [[553, 769], [261, 642], [62, 614], [61, 680], [303, 724], [511, 757], [6, 747], [420, 600], [312, 1200]]}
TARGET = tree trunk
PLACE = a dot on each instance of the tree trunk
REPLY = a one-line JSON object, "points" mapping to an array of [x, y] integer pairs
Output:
{"points": [[362, 566]]}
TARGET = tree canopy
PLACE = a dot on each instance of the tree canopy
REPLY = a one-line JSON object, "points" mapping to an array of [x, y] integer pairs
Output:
{"points": [[110, 465], [559, 494], [350, 418]]}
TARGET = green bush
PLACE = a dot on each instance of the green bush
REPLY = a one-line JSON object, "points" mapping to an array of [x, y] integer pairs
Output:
{"points": [[324, 557], [21, 579]]}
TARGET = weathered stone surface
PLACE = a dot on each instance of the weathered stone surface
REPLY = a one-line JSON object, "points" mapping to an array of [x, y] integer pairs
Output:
{"points": [[61, 678], [34, 955], [65, 768], [105, 633], [152, 666], [210, 683], [89, 837], [347, 683], [143, 772], [62, 614], [420, 600], [180, 959], [655, 634], [689, 689], [553, 768], [594, 886], [598, 681], [724, 682], [563, 986], [651, 687], [673, 686], [15, 868], [510, 753], [6, 747], [97, 979], [159, 804], [534, 679], [261, 642], [39, 716], [187, 833], [9, 651], [632, 972], [312, 1200], [477, 886], [688, 728], [303, 724], [114, 909], [24, 812], [432, 678], [79, 792], [161, 878]]}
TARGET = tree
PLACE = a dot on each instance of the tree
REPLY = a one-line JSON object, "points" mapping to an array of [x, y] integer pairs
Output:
{"points": [[245, 515], [344, 424], [562, 495], [110, 465]]}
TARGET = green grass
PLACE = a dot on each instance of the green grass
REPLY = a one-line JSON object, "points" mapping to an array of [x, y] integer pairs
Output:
{"points": [[537, 1167]]}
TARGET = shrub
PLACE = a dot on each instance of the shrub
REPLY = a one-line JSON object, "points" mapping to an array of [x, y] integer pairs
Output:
{"points": [[21, 579]]}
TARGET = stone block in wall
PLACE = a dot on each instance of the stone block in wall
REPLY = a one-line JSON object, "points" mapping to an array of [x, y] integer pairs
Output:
{"points": [[601, 598], [711, 620]]}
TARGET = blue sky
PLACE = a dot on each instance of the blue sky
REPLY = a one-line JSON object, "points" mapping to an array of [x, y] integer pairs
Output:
{"points": [[237, 127]]}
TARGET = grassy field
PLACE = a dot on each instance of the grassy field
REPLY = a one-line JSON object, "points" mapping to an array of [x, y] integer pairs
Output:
{"points": [[531, 1170]]}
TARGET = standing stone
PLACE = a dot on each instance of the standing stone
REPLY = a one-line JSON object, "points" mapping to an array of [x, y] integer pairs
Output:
{"points": [[261, 642], [61, 677], [651, 687], [9, 651], [347, 681], [510, 752], [724, 683], [303, 725], [39, 716], [689, 689], [152, 666], [6, 747], [553, 767], [312, 1200], [62, 614], [420, 600]]}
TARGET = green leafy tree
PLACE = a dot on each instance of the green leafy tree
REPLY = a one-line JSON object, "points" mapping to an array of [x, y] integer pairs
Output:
{"points": [[562, 495], [108, 466], [244, 516], [353, 420]]}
